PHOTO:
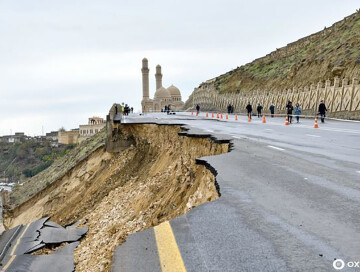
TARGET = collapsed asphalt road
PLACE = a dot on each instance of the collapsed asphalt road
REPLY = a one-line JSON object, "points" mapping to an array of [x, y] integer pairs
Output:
{"points": [[290, 201], [18, 244]]}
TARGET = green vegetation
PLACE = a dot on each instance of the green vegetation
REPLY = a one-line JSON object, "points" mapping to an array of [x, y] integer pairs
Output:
{"points": [[64, 162], [307, 61], [24, 160]]}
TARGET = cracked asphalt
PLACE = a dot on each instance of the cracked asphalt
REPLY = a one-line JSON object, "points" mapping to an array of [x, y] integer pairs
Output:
{"points": [[290, 199]]}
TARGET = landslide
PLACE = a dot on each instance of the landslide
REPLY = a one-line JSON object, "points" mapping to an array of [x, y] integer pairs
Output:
{"points": [[116, 194], [335, 51]]}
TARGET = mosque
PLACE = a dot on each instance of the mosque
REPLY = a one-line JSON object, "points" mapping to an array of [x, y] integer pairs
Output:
{"points": [[163, 96]]}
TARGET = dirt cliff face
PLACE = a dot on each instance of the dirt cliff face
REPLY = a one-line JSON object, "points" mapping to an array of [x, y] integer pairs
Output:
{"points": [[117, 194]]}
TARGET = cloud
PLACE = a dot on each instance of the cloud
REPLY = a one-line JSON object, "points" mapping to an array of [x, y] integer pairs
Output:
{"points": [[63, 61]]}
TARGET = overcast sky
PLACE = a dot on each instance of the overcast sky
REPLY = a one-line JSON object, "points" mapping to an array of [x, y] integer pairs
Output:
{"points": [[64, 61]]}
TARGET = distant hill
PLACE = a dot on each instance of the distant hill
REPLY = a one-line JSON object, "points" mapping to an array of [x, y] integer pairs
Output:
{"points": [[24, 160], [334, 51]]}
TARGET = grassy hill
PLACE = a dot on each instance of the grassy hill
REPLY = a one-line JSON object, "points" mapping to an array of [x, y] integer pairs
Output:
{"points": [[24, 160], [334, 51]]}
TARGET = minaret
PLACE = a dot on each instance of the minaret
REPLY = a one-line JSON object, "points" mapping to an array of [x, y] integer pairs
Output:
{"points": [[145, 78], [158, 77]]}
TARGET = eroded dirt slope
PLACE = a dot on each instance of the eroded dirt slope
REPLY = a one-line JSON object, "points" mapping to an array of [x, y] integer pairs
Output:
{"points": [[117, 194]]}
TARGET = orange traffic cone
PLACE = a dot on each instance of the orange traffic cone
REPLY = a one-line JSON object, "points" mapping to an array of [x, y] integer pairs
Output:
{"points": [[227, 117], [207, 115], [316, 123], [236, 117], [217, 115], [212, 115], [286, 121], [264, 119], [221, 117]]}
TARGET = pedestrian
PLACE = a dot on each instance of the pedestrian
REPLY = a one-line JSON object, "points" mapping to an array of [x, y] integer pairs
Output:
{"points": [[249, 110], [272, 110], [290, 109], [229, 109], [197, 108], [259, 109], [126, 109], [132, 110], [116, 109], [297, 112], [322, 111]]}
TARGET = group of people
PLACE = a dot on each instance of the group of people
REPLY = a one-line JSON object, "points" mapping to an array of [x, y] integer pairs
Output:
{"points": [[297, 111], [124, 109], [259, 109], [166, 109], [290, 109], [230, 109]]}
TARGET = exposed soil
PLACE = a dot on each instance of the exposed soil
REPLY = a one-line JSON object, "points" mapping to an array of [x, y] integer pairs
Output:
{"points": [[117, 194]]}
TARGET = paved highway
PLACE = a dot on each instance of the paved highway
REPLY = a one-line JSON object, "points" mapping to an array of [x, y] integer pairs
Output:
{"points": [[290, 201], [17, 244]]}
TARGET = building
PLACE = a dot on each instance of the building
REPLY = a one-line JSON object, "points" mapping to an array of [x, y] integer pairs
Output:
{"points": [[17, 138], [170, 96], [68, 137], [52, 136], [95, 124]]}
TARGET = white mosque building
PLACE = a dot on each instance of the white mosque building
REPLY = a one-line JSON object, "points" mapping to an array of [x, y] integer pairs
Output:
{"points": [[163, 96]]}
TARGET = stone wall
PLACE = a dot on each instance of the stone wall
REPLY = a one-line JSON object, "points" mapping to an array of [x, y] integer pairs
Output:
{"points": [[341, 98]]}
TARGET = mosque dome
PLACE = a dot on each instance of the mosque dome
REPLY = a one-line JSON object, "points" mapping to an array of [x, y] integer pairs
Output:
{"points": [[174, 91], [162, 93]]}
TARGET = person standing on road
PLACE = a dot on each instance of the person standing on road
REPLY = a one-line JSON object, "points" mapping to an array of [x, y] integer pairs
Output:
{"points": [[116, 109], [272, 110], [249, 110], [290, 109], [229, 108], [126, 109], [259, 109], [322, 111], [297, 112], [197, 108]]}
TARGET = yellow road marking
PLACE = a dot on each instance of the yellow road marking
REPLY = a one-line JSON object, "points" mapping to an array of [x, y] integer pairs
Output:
{"points": [[169, 254], [18, 240], [9, 263], [12, 258]]}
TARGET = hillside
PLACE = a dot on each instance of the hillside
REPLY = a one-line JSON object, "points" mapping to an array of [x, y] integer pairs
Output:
{"points": [[334, 51], [24, 160], [58, 169]]}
